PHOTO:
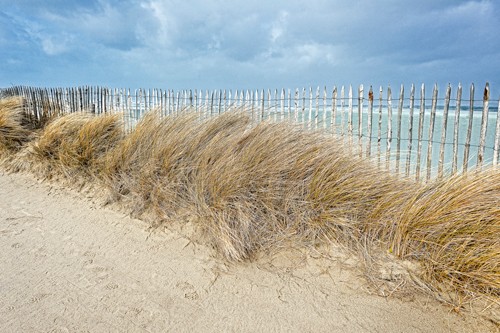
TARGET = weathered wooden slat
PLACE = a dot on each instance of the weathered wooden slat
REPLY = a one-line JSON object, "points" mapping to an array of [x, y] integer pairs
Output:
{"points": [[282, 104], [223, 105], [275, 105], [296, 106], [342, 111], [496, 146], [421, 118], [289, 105], [456, 127], [303, 109], [178, 98], [398, 130], [324, 108], [369, 127], [410, 131], [469, 129], [443, 131], [379, 127], [431, 131], [316, 109], [207, 103], [310, 118], [333, 119], [360, 118], [253, 100], [262, 108], [389, 128], [484, 127], [349, 117], [212, 102], [268, 108]]}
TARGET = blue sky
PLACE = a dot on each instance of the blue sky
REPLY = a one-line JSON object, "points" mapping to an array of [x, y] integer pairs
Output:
{"points": [[249, 44]]}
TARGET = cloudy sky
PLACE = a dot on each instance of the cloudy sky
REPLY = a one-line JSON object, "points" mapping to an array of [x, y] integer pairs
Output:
{"points": [[181, 44]]}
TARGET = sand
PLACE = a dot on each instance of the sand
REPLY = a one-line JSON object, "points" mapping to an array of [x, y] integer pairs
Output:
{"points": [[67, 264]]}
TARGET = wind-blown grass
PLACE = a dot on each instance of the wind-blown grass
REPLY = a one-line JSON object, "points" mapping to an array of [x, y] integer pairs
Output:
{"points": [[73, 144], [13, 132], [452, 226], [251, 188]]}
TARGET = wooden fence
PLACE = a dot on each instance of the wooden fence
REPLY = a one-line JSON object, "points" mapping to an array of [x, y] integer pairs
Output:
{"points": [[410, 133]]}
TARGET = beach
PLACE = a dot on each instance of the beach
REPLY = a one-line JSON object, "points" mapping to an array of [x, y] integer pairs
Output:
{"points": [[71, 265]]}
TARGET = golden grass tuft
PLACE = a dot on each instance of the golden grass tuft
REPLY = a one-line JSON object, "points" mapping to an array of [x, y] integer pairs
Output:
{"points": [[13, 132], [451, 226], [75, 144], [251, 187]]}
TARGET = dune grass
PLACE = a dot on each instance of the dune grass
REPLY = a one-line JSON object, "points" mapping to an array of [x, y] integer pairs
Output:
{"points": [[452, 226], [74, 144], [78, 142], [251, 188], [13, 131]]}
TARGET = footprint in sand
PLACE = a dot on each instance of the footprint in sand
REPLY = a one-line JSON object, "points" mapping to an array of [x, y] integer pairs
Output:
{"points": [[189, 290], [111, 286], [38, 297]]}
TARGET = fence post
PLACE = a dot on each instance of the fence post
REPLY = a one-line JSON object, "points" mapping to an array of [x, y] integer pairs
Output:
{"points": [[304, 106], [484, 126], [310, 121], [379, 132], [443, 131], [342, 111], [421, 118], [349, 117], [431, 131], [389, 128], [316, 109], [296, 106], [410, 130], [360, 119], [370, 116], [398, 136], [324, 107], [333, 120], [455, 130], [289, 104], [496, 146], [469, 129], [282, 104]]}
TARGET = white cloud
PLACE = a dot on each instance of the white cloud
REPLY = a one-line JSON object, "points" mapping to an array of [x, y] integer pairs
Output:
{"points": [[158, 12], [279, 26], [54, 45], [313, 53], [470, 9]]}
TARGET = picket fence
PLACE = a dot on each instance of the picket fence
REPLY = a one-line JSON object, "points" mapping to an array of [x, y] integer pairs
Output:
{"points": [[381, 127]]}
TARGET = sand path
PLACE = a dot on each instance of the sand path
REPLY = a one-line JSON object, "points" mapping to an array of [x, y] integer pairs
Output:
{"points": [[68, 265]]}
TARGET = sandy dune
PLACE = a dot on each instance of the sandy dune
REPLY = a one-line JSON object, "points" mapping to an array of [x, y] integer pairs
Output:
{"points": [[68, 265]]}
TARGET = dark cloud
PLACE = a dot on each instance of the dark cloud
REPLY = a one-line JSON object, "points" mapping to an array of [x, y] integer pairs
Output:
{"points": [[285, 43]]}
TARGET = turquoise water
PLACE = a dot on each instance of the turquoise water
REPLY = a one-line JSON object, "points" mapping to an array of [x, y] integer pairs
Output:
{"points": [[340, 126], [408, 152]]}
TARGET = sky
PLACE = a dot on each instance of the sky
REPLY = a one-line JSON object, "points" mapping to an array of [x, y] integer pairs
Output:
{"points": [[217, 44]]}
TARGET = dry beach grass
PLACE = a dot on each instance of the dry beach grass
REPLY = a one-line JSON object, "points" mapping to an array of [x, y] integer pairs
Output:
{"points": [[251, 188]]}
